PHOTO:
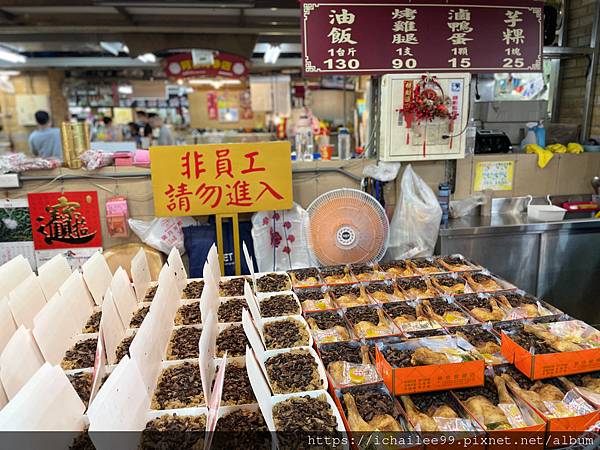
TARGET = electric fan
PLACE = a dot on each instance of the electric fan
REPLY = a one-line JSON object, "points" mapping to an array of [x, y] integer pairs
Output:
{"points": [[346, 226]]}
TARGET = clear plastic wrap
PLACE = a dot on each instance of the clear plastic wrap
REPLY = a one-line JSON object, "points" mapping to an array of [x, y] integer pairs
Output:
{"points": [[162, 233], [20, 162], [93, 159], [416, 221], [461, 208], [279, 242]]}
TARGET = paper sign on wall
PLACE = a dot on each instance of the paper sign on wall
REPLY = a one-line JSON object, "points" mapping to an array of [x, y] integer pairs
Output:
{"points": [[221, 178], [494, 175]]}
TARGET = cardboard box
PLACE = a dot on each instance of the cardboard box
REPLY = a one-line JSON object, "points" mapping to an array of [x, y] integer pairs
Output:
{"points": [[550, 365], [329, 335], [302, 284], [386, 328], [266, 401], [560, 427], [450, 435], [360, 436], [514, 439], [438, 377], [264, 295], [324, 303], [358, 374], [259, 275]]}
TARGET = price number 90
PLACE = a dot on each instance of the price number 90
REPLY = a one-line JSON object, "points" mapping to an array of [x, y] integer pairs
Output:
{"points": [[409, 63]]}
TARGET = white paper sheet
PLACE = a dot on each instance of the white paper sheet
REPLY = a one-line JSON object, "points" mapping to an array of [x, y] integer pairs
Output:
{"points": [[97, 276], [26, 300], [53, 329], [13, 273], [7, 323], [112, 328], [123, 295], [75, 287], [176, 263], [48, 402], [3, 397], [213, 262], [207, 344], [53, 274], [140, 273], [121, 403], [19, 361]]}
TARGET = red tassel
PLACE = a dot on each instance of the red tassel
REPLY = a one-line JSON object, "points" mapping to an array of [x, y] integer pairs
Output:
{"points": [[424, 147]]}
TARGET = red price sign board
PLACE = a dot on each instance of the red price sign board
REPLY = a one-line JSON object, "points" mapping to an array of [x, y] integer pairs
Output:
{"points": [[224, 65], [196, 180], [402, 37], [65, 220]]}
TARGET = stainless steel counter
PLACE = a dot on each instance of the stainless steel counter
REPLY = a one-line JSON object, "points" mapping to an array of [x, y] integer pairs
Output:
{"points": [[557, 261]]}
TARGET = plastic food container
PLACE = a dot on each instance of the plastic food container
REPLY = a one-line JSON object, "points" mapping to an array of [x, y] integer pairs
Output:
{"points": [[549, 213]]}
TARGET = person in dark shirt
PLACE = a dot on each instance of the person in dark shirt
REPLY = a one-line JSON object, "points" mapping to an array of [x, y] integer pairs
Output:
{"points": [[144, 122]]}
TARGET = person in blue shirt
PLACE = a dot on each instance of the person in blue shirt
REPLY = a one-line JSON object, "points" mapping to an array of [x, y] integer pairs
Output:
{"points": [[45, 142]]}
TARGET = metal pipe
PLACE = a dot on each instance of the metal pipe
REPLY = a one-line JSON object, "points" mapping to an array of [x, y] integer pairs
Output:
{"points": [[562, 40], [339, 170], [590, 84], [84, 176]]}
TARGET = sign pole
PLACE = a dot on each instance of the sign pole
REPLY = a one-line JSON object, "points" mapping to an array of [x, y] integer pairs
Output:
{"points": [[236, 241]]}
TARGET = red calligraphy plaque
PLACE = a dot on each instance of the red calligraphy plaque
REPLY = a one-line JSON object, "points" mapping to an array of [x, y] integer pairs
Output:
{"points": [[65, 220], [433, 35], [225, 65]]}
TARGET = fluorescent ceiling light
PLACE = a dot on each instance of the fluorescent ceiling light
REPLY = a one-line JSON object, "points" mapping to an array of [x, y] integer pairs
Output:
{"points": [[125, 89], [272, 54], [147, 58], [114, 48], [10, 56], [214, 83]]}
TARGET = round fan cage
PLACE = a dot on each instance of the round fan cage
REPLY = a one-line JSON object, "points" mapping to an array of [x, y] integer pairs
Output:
{"points": [[346, 226]]}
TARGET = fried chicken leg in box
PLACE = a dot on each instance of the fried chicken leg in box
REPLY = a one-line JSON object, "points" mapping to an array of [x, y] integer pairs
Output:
{"points": [[489, 347], [422, 356], [420, 421], [548, 392], [383, 422], [336, 368], [591, 383], [552, 340], [368, 329], [493, 315], [438, 318], [486, 412], [341, 331], [530, 396], [530, 309], [443, 411]]}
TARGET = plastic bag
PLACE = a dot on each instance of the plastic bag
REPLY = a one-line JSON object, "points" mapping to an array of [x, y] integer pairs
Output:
{"points": [[382, 171], [162, 233], [19, 162], [279, 242], [93, 159], [461, 208], [416, 222]]}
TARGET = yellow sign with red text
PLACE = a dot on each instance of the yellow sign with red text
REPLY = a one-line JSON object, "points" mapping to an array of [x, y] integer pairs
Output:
{"points": [[194, 180]]}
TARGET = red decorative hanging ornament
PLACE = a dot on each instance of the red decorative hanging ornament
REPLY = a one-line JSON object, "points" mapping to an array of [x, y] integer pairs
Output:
{"points": [[427, 102]]}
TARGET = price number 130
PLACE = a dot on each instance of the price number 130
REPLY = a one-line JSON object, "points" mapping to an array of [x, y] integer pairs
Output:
{"points": [[341, 64]]}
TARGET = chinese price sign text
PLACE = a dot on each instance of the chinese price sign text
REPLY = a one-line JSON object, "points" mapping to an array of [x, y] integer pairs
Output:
{"points": [[221, 178], [403, 37]]}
